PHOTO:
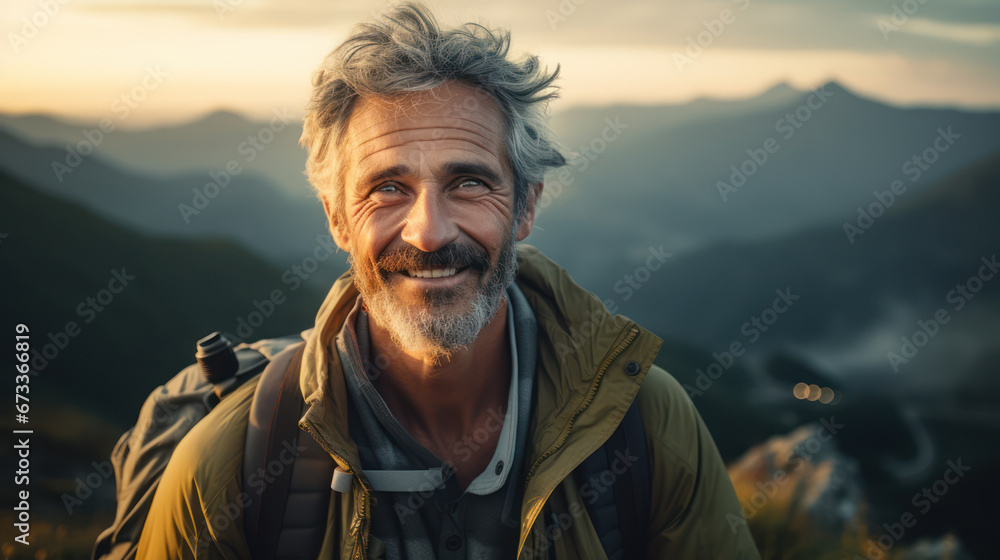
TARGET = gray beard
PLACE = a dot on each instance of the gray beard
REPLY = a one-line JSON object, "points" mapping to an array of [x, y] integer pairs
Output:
{"points": [[430, 331]]}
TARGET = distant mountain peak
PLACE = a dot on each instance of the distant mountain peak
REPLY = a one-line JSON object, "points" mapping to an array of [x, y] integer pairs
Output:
{"points": [[781, 88], [220, 119], [778, 94], [834, 87], [224, 115]]}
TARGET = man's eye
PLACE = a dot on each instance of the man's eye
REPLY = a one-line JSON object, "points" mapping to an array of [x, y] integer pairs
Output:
{"points": [[387, 189], [471, 183]]}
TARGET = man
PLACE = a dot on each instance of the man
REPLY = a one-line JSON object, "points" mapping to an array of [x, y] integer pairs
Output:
{"points": [[457, 379]]}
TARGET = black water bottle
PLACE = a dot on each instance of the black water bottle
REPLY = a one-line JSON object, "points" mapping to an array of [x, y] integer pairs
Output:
{"points": [[216, 357]]}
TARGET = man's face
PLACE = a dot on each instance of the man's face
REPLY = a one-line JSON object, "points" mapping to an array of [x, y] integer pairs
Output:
{"points": [[428, 214]]}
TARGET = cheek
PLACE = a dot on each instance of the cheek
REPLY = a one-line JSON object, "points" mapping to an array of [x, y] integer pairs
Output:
{"points": [[492, 221], [371, 230], [490, 232]]}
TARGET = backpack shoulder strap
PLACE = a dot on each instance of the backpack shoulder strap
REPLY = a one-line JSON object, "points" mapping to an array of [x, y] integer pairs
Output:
{"points": [[286, 476], [620, 516], [636, 452], [272, 426]]}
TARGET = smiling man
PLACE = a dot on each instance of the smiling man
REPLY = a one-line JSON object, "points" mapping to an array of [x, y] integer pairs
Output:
{"points": [[428, 217], [474, 401]]}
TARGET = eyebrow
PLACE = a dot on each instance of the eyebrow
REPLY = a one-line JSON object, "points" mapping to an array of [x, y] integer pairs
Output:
{"points": [[450, 168], [388, 172], [472, 168]]}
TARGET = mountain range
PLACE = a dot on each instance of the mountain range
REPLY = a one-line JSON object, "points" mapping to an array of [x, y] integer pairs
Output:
{"points": [[661, 176], [645, 181], [226, 200]]}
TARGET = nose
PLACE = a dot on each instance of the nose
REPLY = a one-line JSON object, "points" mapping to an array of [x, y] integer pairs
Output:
{"points": [[429, 225]]}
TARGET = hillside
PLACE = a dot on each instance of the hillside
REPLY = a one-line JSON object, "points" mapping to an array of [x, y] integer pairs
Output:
{"points": [[224, 200], [856, 299], [187, 148], [57, 254]]}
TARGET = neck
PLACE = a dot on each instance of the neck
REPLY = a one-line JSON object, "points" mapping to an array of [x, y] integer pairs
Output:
{"points": [[442, 399]]}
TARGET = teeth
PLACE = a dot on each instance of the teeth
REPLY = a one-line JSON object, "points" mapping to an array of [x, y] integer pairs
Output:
{"points": [[432, 273]]}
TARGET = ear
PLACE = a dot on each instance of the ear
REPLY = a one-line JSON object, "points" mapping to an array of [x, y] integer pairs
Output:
{"points": [[337, 229], [528, 219]]}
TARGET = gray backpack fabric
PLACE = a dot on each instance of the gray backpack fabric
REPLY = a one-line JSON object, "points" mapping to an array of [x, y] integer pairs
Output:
{"points": [[142, 453]]}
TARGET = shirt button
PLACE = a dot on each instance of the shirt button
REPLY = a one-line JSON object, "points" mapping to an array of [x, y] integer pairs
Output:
{"points": [[499, 468], [453, 543], [632, 368]]}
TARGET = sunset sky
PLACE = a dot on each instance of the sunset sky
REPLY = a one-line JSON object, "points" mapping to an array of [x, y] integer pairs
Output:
{"points": [[254, 56]]}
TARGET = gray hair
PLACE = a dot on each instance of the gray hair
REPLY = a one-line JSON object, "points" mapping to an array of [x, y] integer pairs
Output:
{"points": [[405, 50]]}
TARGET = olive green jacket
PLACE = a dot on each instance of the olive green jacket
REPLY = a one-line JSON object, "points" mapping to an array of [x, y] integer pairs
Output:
{"points": [[582, 392]]}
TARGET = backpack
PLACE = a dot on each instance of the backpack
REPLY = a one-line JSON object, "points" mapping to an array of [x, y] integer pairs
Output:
{"points": [[286, 515]]}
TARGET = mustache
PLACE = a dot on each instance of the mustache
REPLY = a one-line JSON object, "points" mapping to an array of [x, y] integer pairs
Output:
{"points": [[451, 255]]}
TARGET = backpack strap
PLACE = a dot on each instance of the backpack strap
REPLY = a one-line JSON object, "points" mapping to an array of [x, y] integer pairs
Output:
{"points": [[272, 426], [286, 477], [635, 444], [620, 516]]}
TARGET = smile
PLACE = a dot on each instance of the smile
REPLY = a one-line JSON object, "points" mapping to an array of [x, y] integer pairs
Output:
{"points": [[432, 273]]}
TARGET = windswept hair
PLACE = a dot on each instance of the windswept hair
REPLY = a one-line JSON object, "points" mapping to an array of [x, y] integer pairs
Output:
{"points": [[405, 50]]}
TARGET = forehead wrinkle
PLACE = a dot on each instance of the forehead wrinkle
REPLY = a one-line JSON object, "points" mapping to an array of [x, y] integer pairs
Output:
{"points": [[499, 168], [484, 131], [418, 140]]}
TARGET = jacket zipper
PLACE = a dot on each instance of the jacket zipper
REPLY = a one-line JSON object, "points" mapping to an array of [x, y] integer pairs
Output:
{"points": [[358, 523], [591, 393]]}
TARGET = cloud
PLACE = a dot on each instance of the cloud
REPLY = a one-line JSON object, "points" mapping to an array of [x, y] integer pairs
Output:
{"points": [[982, 34], [263, 52]]}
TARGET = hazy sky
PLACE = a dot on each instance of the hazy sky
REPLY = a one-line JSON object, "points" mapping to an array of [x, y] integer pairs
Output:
{"points": [[187, 57]]}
